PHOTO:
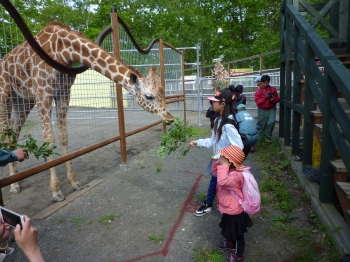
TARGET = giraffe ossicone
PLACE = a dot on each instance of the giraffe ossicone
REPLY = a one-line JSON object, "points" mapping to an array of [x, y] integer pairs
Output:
{"points": [[26, 80]]}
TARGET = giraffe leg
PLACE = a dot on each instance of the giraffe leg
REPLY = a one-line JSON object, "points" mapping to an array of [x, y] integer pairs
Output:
{"points": [[20, 110], [70, 173], [57, 195], [5, 116], [15, 188], [44, 105], [62, 104]]}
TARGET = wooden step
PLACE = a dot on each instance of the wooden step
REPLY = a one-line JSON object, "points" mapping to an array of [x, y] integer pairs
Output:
{"points": [[343, 192], [338, 166], [318, 112], [318, 132], [339, 51], [344, 189], [318, 127], [317, 115]]}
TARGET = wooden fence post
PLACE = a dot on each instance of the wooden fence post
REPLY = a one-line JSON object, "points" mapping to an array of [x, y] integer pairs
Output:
{"points": [[119, 88]]}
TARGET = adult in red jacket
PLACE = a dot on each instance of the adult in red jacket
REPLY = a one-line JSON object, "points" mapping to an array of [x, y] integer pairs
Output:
{"points": [[266, 98]]}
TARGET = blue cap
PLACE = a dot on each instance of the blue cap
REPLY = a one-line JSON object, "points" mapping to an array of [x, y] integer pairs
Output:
{"points": [[258, 79]]}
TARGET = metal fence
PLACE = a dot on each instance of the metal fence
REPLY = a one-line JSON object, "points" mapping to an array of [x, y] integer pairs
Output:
{"points": [[93, 118], [197, 92]]}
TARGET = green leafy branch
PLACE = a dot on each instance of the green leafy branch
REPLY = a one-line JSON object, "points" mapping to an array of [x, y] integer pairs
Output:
{"points": [[174, 138], [44, 151]]}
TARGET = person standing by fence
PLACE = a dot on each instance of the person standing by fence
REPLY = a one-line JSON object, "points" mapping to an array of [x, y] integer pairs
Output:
{"points": [[266, 98]]}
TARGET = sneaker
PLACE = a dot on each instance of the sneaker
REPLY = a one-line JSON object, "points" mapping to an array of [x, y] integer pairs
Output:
{"points": [[204, 209], [234, 258], [252, 149], [227, 245], [268, 140]]}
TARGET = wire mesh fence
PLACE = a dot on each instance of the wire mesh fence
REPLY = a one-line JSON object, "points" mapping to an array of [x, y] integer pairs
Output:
{"points": [[93, 107]]}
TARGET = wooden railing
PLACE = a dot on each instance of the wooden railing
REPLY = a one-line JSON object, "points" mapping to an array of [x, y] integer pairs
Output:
{"points": [[302, 50]]}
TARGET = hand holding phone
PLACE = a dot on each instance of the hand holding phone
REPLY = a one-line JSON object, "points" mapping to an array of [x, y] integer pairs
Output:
{"points": [[5, 231], [27, 240], [11, 218]]}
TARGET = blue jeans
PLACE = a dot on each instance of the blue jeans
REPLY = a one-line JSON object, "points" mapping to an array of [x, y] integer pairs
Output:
{"points": [[212, 185]]}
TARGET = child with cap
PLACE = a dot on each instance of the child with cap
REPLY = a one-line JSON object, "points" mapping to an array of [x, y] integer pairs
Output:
{"points": [[258, 81], [234, 221], [247, 125], [222, 136]]}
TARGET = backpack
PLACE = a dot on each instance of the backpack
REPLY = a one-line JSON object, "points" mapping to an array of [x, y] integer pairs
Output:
{"points": [[251, 194], [245, 141]]}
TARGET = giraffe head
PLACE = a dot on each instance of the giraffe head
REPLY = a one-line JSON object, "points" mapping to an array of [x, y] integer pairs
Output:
{"points": [[69, 46], [149, 93]]}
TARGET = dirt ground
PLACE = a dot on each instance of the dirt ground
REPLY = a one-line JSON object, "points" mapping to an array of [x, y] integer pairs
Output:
{"points": [[93, 165]]}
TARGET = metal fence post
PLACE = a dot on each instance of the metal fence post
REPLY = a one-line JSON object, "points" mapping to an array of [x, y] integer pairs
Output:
{"points": [[198, 85]]}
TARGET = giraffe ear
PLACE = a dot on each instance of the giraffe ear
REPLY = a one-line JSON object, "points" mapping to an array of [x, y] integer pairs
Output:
{"points": [[134, 79]]}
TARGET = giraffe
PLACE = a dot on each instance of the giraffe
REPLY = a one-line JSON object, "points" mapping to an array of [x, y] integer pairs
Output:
{"points": [[26, 80], [220, 74]]}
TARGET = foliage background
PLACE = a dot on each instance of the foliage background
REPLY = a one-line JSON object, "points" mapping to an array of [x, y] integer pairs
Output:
{"points": [[250, 27]]}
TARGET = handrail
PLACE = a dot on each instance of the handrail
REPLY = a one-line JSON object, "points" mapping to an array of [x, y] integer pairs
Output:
{"points": [[300, 47], [336, 71]]}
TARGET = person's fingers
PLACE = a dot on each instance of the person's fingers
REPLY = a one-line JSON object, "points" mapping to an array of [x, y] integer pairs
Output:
{"points": [[26, 225], [17, 232]]}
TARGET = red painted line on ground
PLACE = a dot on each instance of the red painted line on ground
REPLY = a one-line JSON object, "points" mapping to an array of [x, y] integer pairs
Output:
{"points": [[145, 256], [165, 249]]}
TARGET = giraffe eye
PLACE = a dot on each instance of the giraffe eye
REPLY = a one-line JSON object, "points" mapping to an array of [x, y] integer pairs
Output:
{"points": [[149, 97]]}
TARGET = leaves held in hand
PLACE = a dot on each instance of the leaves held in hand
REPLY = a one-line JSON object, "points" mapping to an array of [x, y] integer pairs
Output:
{"points": [[44, 151], [177, 134]]}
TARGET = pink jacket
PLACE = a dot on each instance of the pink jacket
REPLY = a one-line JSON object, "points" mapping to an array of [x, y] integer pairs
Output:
{"points": [[227, 203]]}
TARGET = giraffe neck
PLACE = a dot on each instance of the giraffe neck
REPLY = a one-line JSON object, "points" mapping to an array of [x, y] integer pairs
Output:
{"points": [[71, 47]]}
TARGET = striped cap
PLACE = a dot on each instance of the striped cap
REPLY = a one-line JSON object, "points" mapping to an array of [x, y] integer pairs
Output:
{"points": [[235, 155]]}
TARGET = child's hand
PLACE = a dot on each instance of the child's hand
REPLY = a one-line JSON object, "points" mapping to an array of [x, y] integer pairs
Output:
{"points": [[193, 143], [224, 161]]}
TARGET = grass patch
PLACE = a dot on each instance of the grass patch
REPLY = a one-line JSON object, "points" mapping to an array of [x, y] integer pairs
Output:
{"points": [[200, 197], [280, 192], [78, 219], [158, 167], [196, 131], [156, 238], [206, 254], [107, 219]]}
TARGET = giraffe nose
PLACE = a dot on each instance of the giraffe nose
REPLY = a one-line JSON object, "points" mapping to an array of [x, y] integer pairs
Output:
{"points": [[167, 116]]}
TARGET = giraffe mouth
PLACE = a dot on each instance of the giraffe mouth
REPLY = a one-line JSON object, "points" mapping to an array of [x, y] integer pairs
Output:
{"points": [[167, 116]]}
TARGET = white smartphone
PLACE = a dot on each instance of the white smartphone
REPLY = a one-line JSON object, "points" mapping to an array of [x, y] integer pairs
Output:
{"points": [[11, 218]]}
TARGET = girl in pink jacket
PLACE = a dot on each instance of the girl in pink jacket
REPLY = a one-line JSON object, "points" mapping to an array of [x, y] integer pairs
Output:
{"points": [[234, 220]]}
